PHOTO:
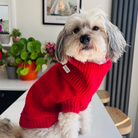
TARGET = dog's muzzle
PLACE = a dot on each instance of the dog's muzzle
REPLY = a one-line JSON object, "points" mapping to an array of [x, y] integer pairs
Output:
{"points": [[85, 39]]}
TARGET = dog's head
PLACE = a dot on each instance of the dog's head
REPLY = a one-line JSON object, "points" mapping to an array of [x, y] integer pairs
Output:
{"points": [[89, 36]]}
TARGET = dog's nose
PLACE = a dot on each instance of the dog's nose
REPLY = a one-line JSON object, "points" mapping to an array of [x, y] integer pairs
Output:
{"points": [[85, 39]]}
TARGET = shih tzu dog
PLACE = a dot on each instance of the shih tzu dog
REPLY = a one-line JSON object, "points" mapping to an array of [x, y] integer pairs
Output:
{"points": [[57, 105]]}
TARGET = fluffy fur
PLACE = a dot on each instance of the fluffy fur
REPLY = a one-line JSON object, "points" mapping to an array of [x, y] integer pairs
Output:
{"points": [[88, 36], [107, 40], [9, 130]]}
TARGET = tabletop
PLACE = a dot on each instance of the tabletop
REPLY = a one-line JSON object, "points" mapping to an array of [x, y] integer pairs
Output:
{"points": [[14, 84], [102, 126]]}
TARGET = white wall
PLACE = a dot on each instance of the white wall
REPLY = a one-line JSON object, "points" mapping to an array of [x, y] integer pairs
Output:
{"points": [[136, 123], [133, 103], [74, 2], [4, 13], [29, 21]]}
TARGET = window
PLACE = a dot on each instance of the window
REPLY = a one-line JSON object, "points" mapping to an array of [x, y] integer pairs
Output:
{"points": [[4, 15], [7, 13]]}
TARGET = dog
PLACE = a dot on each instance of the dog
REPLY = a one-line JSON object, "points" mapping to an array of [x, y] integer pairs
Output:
{"points": [[85, 48]]}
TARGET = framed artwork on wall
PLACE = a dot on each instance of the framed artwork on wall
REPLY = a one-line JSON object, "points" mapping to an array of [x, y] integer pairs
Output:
{"points": [[56, 12]]}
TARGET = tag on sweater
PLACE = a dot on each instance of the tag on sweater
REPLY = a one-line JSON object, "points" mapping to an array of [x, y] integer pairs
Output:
{"points": [[67, 70]]}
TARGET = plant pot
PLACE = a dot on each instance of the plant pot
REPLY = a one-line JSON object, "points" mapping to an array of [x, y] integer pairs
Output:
{"points": [[4, 38], [15, 40], [31, 74], [11, 72]]}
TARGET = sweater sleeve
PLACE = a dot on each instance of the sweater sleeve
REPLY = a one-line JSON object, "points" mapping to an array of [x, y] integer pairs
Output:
{"points": [[71, 105]]}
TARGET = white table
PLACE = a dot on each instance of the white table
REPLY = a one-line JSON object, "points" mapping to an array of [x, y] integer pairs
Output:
{"points": [[102, 126], [14, 84]]}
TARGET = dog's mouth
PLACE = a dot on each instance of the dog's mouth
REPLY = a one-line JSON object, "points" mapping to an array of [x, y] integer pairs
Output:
{"points": [[87, 47]]}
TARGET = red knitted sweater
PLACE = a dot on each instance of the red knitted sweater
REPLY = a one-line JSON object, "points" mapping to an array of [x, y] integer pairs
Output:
{"points": [[57, 91]]}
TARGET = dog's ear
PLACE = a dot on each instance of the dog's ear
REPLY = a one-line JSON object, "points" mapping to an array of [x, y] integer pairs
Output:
{"points": [[60, 49], [116, 41]]}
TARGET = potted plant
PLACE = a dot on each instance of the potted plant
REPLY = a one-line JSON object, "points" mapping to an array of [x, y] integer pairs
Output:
{"points": [[4, 61], [28, 56], [4, 35], [15, 35]]}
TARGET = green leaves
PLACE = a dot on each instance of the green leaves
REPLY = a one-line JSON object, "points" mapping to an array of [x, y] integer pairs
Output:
{"points": [[38, 68], [28, 51], [22, 44], [24, 55], [18, 70], [34, 46], [14, 49], [5, 56], [31, 39], [40, 61], [16, 33], [33, 55], [23, 40], [22, 71], [38, 46], [31, 46], [29, 62], [18, 60], [1, 46]]}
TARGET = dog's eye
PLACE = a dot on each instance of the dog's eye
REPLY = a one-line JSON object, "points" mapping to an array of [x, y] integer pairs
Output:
{"points": [[95, 28], [76, 30]]}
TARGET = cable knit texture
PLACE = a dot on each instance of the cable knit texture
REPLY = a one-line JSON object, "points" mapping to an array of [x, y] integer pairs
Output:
{"points": [[57, 91]]}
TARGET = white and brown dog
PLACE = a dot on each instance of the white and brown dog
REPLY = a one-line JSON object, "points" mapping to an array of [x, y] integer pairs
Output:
{"points": [[86, 37]]}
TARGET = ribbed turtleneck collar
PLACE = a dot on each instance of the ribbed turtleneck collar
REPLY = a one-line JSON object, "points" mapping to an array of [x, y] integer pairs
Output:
{"points": [[80, 65], [84, 76]]}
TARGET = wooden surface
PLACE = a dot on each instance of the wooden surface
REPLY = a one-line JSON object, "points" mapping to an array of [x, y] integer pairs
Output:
{"points": [[121, 120], [103, 95]]}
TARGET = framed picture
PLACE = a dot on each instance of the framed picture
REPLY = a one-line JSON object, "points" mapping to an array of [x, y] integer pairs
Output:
{"points": [[56, 12]]}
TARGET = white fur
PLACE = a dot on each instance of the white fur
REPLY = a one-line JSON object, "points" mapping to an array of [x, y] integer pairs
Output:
{"points": [[68, 126], [107, 40], [86, 120], [98, 38]]}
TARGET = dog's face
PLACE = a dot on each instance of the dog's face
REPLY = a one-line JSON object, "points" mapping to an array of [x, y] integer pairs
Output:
{"points": [[89, 36]]}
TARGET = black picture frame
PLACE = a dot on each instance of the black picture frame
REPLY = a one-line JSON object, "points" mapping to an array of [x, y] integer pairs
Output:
{"points": [[54, 19]]}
